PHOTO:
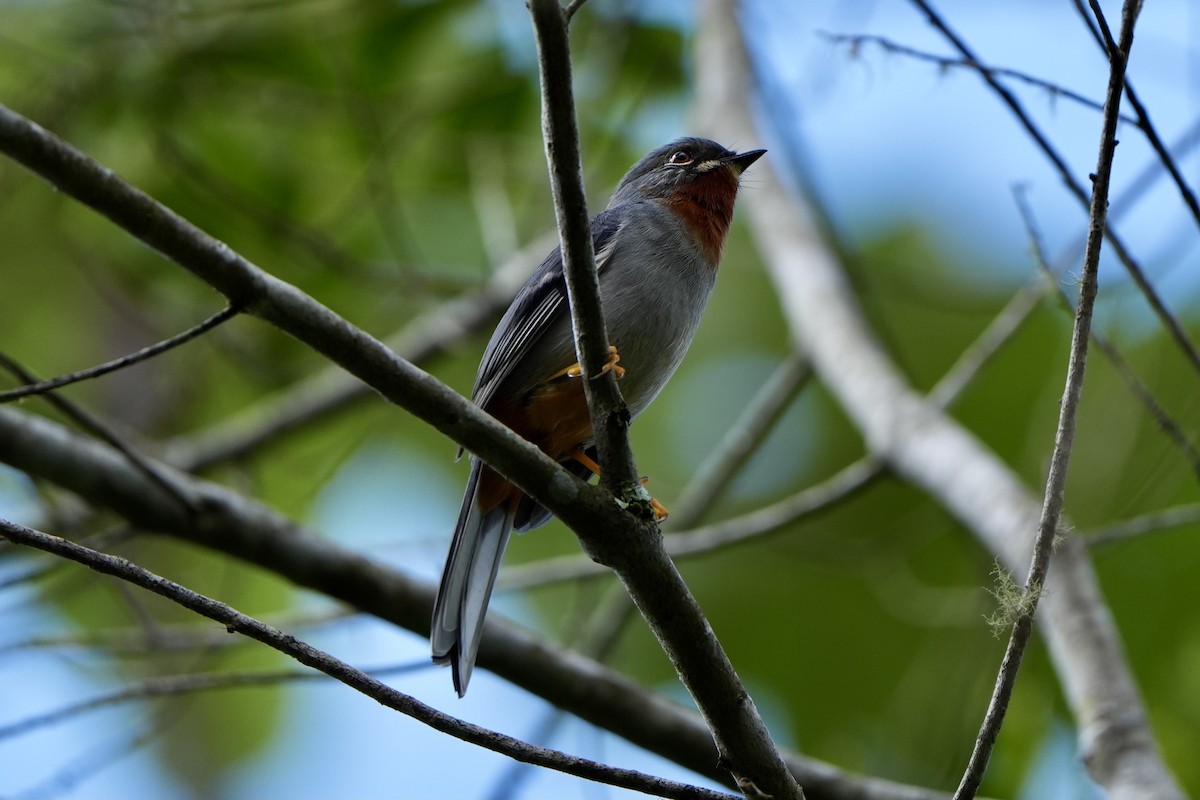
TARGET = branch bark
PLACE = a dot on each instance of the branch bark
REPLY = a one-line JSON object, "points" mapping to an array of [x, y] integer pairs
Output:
{"points": [[631, 546], [928, 448], [610, 416], [230, 523], [236, 622], [1064, 439]]}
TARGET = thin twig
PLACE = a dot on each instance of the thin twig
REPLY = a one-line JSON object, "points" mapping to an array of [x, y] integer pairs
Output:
{"points": [[1173, 430], [609, 414], [175, 685], [236, 622], [110, 750], [1173, 326], [855, 41], [1154, 522], [769, 519], [50, 384], [329, 390], [138, 641], [572, 7], [980, 352], [1048, 529], [1103, 36], [94, 426]]}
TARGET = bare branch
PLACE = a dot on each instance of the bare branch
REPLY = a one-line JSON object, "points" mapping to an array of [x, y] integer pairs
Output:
{"points": [[44, 386], [855, 41], [930, 449], [742, 439], [1064, 439], [1153, 522], [744, 745], [94, 426], [174, 685], [1164, 420], [1176, 330], [610, 416], [330, 390], [236, 622], [768, 519], [1103, 37]]}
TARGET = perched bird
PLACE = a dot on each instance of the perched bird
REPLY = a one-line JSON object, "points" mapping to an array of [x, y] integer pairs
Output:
{"points": [[657, 247]]}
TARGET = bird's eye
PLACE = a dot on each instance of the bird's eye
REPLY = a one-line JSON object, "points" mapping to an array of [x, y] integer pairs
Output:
{"points": [[679, 158]]}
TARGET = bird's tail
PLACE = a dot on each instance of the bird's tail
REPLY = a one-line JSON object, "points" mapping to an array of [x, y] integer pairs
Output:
{"points": [[471, 566]]}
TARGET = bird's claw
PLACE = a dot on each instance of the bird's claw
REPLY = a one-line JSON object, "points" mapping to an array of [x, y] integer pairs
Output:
{"points": [[660, 511], [576, 369]]}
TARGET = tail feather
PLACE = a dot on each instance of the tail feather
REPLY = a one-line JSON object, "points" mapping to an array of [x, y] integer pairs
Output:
{"points": [[471, 566]]}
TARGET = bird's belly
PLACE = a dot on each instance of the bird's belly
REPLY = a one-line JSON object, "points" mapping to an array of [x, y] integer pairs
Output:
{"points": [[652, 331]]}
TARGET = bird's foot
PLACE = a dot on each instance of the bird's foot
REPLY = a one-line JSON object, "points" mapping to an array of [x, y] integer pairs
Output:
{"points": [[612, 365]]}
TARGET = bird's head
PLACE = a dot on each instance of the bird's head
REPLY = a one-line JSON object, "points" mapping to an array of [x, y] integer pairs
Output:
{"points": [[696, 178], [679, 165]]}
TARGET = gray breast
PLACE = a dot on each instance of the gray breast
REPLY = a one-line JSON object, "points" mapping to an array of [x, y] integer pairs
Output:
{"points": [[654, 287]]}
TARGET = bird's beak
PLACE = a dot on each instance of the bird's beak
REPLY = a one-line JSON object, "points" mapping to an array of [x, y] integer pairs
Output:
{"points": [[742, 160]]}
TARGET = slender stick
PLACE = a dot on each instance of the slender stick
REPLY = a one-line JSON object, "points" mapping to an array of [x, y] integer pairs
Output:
{"points": [[610, 416], [50, 384], [237, 622], [1056, 482]]}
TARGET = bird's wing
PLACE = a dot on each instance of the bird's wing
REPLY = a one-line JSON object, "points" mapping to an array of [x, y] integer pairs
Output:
{"points": [[537, 304]]}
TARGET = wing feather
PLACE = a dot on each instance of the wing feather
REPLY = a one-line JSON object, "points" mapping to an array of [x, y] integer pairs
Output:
{"points": [[539, 303]]}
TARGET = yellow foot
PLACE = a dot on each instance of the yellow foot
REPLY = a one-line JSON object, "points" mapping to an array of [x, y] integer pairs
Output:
{"points": [[575, 370], [660, 511], [584, 459]]}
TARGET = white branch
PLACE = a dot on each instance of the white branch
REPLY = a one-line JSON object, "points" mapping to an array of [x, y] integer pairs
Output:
{"points": [[930, 449]]}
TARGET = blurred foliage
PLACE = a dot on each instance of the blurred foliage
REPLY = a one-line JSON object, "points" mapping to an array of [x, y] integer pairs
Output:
{"points": [[384, 155]]}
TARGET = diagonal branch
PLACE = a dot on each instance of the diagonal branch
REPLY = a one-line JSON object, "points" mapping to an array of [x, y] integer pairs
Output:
{"points": [[50, 384], [744, 745], [931, 450], [1064, 438], [236, 622], [1103, 37], [1172, 429], [234, 525], [1157, 304], [330, 390], [610, 417]]}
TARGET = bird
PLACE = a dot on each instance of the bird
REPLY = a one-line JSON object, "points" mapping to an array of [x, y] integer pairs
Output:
{"points": [[657, 244]]}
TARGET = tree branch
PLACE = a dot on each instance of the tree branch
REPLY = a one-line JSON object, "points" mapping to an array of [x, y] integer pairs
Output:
{"points": [[237, 526], [1064, 438], [236, 622], [330, 390], [610, 416], [50, 384], [1170, 323], [930, 449], [744, 745], [1103, 37]]}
